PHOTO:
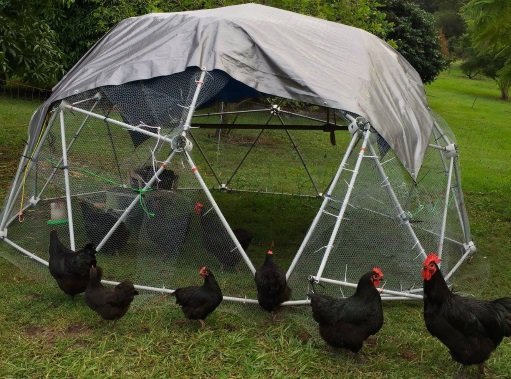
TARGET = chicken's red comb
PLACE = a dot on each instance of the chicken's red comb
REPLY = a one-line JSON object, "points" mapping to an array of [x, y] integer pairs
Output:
{"points": [[432, 257], [198, 206], [378, 271], [269, 252]]}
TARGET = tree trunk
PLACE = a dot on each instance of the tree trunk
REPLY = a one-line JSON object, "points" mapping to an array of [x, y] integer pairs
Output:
{"points": [[504, 92]]}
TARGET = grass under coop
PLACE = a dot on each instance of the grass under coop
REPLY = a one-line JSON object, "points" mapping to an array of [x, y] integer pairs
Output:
{"points": [[45, 334]]}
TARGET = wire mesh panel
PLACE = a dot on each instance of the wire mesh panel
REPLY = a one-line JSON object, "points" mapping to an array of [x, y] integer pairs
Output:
{"points": [[378, 231], [264, 146], [138, 189]]}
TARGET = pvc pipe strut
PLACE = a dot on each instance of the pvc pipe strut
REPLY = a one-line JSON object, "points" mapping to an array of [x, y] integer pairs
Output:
{"points": [[219, 213], [465, 223], [135, 201], [446, 208], [10, 199], [381, 290], [395, 200], [66, 182], [116, 122], [68, 149], [354, 140], [344, 205], [24, 251], [191, 110], [467, 254], [16, 187]]}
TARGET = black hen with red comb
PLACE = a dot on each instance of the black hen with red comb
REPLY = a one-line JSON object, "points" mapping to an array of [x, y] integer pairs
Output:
{"points": [[470, 328], [348, 322], [272, 288], [197, 302]]}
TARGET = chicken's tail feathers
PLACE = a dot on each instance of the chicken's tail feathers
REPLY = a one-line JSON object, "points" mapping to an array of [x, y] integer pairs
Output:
{"points": [[504, 309], [56, 245]]}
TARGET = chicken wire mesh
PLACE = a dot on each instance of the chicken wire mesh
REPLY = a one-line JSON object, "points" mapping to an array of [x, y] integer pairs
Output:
{"points": [[374, 230], [274, 157], [255, 145]]}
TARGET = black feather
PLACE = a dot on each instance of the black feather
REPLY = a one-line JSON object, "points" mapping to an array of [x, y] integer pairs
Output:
{"points": [[470, 328], [197, 302], [347, 322], [70, 269], [272, 288], [111, 303]]}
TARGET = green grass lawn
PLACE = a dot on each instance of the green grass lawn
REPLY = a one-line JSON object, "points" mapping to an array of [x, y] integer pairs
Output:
{"points": [[45, 334]]}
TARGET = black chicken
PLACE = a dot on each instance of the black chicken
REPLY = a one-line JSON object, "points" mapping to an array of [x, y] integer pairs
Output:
{"points": [[198, 302], [70, 269], [98, 223], [111, 303], [470, 328], [348, 322], [218, 243], [272, 288], [166, 180]]}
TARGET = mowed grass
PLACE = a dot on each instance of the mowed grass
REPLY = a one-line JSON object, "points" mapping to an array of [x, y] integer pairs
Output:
{"points": [[45, 334]]}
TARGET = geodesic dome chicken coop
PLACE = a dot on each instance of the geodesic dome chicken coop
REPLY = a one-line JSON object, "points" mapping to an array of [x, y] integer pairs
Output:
{"points": [[168, 113]]}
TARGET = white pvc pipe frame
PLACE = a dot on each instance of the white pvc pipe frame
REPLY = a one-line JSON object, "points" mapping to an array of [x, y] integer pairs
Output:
{"points": [[354, 140], [162, 167], [66, 181], [64, 105], [16, 188]]}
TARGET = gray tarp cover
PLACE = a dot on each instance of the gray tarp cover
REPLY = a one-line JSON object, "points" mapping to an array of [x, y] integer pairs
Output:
{"points": [[273, 51]]}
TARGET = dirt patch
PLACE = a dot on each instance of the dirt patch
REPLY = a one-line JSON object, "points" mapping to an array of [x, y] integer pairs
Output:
{"points": [[34, 330], [48, 335], [409, 355], [304, 336], [230, 327], [34, 296], [77, 328]]}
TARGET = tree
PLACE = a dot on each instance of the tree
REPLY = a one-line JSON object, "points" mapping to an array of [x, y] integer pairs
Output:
{"points": [[416, 37], [88, 20], [28, 45], [489, 26]]}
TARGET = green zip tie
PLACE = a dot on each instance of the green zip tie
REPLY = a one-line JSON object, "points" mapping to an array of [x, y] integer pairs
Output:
{"points": [[57, 222], [141, 192]]}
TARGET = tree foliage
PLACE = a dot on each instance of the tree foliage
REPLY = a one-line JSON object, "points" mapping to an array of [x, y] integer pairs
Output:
{"points": [[42, 37], [28, 46], [88, 20], [416, 37], [489, 26]]}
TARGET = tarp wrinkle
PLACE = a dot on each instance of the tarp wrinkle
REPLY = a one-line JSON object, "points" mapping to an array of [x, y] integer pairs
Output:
{"points": [[276, 52]]}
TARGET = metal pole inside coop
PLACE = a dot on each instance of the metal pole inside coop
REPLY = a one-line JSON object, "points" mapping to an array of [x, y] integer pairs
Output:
{"points": [[69, 146], [446, 208]]}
